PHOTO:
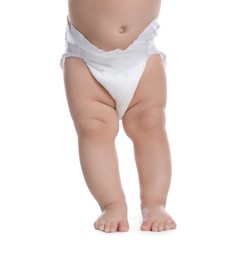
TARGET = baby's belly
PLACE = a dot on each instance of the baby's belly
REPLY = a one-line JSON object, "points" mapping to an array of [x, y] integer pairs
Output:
{"points": [[112, 24]]}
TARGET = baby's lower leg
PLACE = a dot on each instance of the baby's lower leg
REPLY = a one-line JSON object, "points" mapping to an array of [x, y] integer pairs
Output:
{"points": [[154, 167], [147, 131], [99, 163]]}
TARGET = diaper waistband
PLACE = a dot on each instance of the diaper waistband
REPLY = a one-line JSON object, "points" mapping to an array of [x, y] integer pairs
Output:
{"points": [[115, 60]]}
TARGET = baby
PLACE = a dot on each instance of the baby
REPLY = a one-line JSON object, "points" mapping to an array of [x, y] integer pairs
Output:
{"points": [[113, 71]]}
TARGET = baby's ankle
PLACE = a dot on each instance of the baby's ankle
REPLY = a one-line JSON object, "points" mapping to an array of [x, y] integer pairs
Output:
{"points": [[153, 203], [120, 204]]}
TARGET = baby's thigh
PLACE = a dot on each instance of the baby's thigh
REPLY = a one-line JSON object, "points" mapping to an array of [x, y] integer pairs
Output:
{"points": [[89, 103], [152, 87], [148, 104]]}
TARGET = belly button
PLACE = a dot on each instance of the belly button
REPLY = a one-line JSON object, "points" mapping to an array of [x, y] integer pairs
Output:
{"points": [[122, 29]]}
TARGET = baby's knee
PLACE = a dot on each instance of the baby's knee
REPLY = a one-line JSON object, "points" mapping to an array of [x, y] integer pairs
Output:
{"points": [[96, 128], [148, 123]]}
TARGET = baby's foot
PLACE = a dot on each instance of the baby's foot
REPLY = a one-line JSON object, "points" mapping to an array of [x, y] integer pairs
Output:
{"points": [[113, 218], [155, 218]]}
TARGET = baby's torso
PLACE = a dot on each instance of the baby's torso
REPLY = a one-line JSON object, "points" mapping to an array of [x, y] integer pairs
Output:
{"points": [[112, 24]]}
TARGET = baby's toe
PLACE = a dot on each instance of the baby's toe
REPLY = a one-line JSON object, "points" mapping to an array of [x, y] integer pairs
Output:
{"points": [[155, 226], [101, 225], [107, 227], [146, 225], [167, 225], [113, 226], [161, 226], [96, 224], [173, 225], [123, 226]]}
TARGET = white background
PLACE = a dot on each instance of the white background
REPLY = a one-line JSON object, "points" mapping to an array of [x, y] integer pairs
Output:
{"points": [[46, 211]]}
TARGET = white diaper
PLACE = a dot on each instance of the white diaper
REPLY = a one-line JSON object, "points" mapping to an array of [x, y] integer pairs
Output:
{"points": [[118, 71]]}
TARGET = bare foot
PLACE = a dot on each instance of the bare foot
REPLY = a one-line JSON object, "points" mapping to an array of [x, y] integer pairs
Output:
{"points": [[155, 218], [113, 218]]}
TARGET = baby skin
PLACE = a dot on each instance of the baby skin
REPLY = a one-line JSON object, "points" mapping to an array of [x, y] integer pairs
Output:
{"points": [[116, 24]]}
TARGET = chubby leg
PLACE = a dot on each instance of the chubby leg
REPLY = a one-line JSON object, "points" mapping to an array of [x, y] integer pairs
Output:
{"points": [[144, 123], [96, 122]]}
